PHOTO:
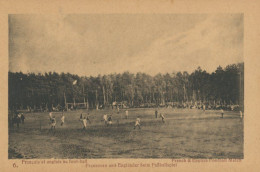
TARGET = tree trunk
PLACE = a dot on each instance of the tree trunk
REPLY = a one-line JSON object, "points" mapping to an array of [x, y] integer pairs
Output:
{"points": [[104, 94]]}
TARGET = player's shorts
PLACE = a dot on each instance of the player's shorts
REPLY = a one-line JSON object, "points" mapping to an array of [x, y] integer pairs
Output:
{"points": [[53, 124], [110, 122], [137, 123]]}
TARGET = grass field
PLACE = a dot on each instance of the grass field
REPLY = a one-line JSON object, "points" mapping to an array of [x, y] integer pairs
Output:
{"points": [[186, 133]]}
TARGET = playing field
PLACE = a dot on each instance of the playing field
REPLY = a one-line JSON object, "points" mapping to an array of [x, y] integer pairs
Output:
{"points": [[186, 133]]}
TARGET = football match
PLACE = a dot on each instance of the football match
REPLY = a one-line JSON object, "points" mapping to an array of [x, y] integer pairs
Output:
{"points": [[92, 86]]}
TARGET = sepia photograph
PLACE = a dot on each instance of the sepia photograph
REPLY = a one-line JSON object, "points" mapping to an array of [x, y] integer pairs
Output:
{"points": [[109, 86]]}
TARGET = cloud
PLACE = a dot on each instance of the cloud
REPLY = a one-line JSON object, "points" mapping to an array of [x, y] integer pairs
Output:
{"points": [[208, 44], [102, 44]]}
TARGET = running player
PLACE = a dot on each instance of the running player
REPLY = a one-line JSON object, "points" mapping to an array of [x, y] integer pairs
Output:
{"points": [[62, 119], [137, 122], [84, 122], [53, 123], [105, 119], [109, 120], [163, 117]]}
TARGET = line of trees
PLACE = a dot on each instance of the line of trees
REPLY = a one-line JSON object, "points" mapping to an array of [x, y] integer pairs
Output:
{"points": [[224, 86]]}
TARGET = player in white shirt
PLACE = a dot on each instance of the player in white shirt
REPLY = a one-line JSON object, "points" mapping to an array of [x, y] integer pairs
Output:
{"points": [[163, 117], [50, 115], [137, 123], [84, 123], [62, 119], [126, 114], [241, 114], [105, 119], [222, 113]]}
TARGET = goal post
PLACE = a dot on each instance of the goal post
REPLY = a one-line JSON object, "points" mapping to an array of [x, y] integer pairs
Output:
{"points": [[82, 105]]}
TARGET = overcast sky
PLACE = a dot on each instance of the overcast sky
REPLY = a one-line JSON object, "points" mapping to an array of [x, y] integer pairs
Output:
{"points": [[92, 44]]}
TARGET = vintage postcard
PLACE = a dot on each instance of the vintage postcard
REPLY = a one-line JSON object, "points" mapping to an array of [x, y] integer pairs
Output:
{"points": [[161, 85]]}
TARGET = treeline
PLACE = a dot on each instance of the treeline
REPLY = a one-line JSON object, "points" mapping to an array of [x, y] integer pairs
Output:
{"points": [[223, 86]]}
